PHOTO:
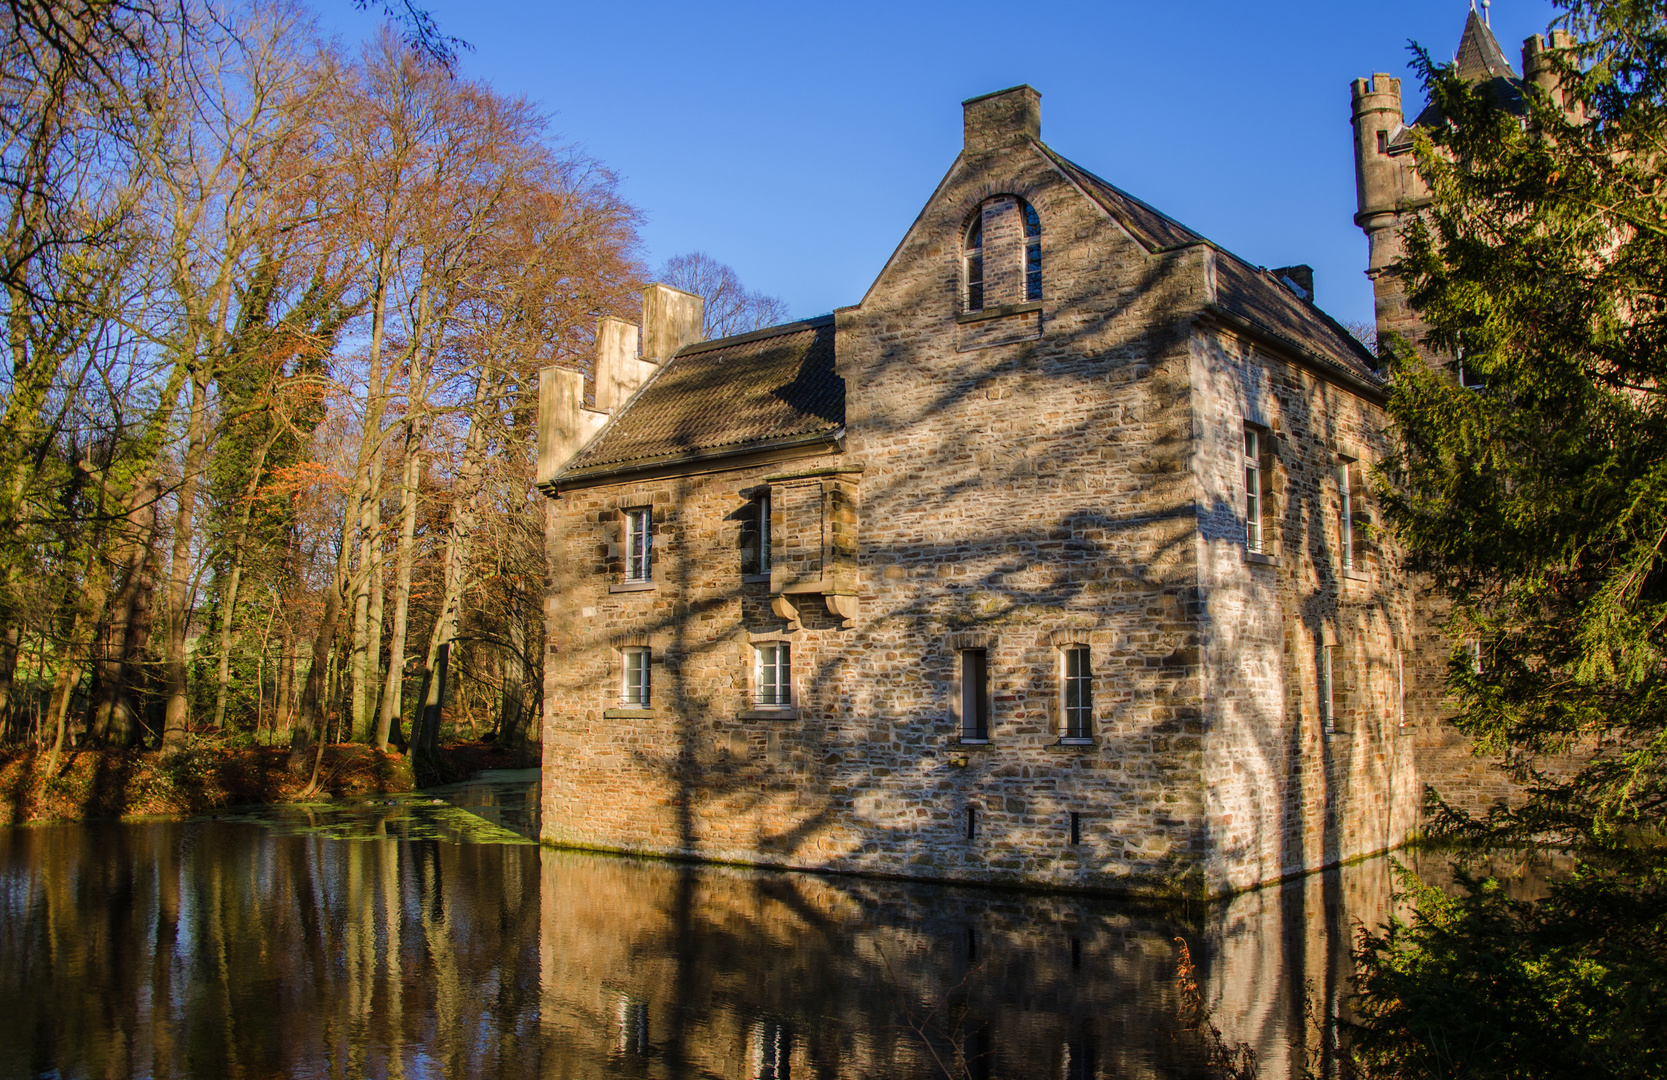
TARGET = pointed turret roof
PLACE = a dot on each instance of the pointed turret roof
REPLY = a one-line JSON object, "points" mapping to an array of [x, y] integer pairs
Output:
{"points": [[1479, 60]]}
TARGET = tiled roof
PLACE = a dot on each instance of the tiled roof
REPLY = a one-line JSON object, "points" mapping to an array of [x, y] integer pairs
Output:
{"points": [[765, 387], [1249, 293], [1252, 294]]}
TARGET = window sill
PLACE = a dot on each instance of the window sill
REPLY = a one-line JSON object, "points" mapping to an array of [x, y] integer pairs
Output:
{"points": [[1066, 746], [974, 744], [1261, 558], [1355, 575], [631, 586], [755, 579], [786, 712], [627, 714], [997, 312]]}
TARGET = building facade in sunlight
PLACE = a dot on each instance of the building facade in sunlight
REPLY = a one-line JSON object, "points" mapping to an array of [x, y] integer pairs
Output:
{"points": [[1052, 561]]}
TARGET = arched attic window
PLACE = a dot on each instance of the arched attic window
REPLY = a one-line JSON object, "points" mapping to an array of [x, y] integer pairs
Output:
{"points": [[1033, 253], [1001, 254]]}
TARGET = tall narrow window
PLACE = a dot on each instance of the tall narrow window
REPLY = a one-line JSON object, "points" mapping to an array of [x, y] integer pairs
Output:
{"points": [[1345, 519], [1400, 688], [975, 696], [775, 676], [639, 540], [634, 687], [1253, 489], [763, 502], [1033, 254], [1077, 685], [973, 263], [1328, 689]]}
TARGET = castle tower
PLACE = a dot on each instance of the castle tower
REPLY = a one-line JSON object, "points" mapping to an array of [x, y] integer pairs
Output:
{"points": [[1388, 188]]}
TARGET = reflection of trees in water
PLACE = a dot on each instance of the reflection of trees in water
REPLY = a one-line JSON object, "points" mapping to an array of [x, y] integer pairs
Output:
{"points": [[226, 950]]}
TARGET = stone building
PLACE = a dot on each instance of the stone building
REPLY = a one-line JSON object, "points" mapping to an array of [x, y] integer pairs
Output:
{"points": [[1050, 561]]}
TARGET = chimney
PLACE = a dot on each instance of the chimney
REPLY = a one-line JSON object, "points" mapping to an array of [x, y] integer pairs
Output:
{"points": [[1299, 279], [1004, 119], [671, 319], [618, 371]]}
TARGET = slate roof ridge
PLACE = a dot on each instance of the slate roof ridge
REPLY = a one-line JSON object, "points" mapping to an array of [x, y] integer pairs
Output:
{"points": [[761, 334], [1364, 355]]}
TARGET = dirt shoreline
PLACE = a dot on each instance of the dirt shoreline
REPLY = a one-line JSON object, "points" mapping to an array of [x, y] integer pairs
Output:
{"points": [[100, 783]]}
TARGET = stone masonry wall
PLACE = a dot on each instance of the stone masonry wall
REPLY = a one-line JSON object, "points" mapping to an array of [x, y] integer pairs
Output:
{"points": [[1283, 795]]}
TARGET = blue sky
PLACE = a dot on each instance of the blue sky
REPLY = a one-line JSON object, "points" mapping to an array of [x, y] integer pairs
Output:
{"points": [[797, 142]]}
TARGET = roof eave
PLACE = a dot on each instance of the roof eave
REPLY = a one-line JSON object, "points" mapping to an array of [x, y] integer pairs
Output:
{"points": [[1377, 393]]}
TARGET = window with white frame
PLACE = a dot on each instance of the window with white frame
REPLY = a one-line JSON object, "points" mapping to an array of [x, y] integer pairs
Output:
{"points": [[1033, 253], [635, 667], [1076, 684], [1400, 688], [1352, 519], [1253, 489], [639, 544], [975, 695], [972, 263], [773, 681], [1328, 689]]}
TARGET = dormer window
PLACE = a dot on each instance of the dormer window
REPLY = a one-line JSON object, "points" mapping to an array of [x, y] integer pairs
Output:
{"points": [[1033, 253], [973, 263]]}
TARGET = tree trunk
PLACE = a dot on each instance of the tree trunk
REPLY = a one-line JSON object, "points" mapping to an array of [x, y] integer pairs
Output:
{"points": [[307, 727], [515, 681], [393, 689], [367, 640], [179, 581], [114, 715]]}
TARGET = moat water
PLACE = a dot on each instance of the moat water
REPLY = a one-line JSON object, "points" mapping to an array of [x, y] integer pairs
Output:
{"points": [[427, 936]]}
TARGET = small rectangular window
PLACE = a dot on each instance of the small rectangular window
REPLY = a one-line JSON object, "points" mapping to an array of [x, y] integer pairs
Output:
{"points": [[1253, 489], [1328, 689], [975, 695], [1383, 142], [1077, 693], [1345, 518], [1076, 827], [775, 676], [975, 282], [634, 686], [972, 823], [639, 542]]}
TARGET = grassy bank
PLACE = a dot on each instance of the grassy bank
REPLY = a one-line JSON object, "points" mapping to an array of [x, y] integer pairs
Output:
{"points": [[97, 783]]}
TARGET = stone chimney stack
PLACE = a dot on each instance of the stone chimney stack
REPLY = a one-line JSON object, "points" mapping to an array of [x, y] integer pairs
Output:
{"points": [[671, 319], [1001, 120], [1299, 279]]}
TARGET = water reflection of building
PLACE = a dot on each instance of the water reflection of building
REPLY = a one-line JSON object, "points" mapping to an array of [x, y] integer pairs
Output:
{"points": [[665, 970], [227, 950]]}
